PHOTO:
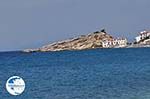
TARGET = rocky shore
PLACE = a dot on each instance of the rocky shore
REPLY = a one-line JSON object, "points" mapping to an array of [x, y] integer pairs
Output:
{"points": [[137, 45], [90, 41]]}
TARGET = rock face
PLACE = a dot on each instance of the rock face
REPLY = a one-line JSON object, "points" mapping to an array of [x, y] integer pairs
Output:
{"points": [[90, 41], [145, 41]]}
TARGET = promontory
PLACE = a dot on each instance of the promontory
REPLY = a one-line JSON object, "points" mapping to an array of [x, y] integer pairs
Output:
{"points": [[89, 41]]}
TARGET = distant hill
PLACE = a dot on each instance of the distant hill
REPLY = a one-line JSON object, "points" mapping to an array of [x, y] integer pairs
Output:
{"points": [[89, 41]]}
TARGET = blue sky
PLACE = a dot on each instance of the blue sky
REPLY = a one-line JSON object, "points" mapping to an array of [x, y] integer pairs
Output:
{"points": [[34, 23]]}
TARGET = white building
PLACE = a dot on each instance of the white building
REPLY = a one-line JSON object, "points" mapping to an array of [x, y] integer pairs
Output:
{"points": [[107, 44], [143, 35], [114, 43], [138, 38]]}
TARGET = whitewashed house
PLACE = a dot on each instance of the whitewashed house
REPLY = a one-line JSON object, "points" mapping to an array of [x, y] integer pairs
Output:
{"points": [[107, 44], [143, 35], [114, 43], [138, 38]]}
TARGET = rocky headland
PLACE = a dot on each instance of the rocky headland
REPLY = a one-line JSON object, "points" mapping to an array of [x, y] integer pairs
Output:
{"points": [[89, 41], [98, 39]]}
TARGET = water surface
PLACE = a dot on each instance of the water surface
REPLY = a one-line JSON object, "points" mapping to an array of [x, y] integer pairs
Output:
{"points": [[88, 74]]}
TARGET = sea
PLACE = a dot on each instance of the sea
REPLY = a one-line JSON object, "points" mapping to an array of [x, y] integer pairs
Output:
{"points": [[122, 73]]}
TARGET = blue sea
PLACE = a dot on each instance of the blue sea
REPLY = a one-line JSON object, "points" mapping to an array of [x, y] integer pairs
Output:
{"points": [[86, 74]]}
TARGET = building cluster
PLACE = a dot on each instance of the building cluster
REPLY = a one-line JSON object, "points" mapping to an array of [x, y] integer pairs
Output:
{"points": [[142, 36], [118, 43]]}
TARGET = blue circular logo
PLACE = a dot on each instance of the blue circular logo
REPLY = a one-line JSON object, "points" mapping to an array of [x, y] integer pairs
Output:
{"points": [[15, 85]]}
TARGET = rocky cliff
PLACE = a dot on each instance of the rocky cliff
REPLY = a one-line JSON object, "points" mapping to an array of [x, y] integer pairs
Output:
{"points": [[90, 41]]}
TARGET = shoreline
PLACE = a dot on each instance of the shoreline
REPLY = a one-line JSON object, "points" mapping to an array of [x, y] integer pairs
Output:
{"points": [[129, 46]]}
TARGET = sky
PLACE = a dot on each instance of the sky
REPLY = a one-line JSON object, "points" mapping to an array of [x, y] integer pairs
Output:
{"points": [[34, 23]]}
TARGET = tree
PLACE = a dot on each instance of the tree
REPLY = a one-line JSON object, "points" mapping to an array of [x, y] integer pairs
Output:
{"points": [[103, 30]]}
